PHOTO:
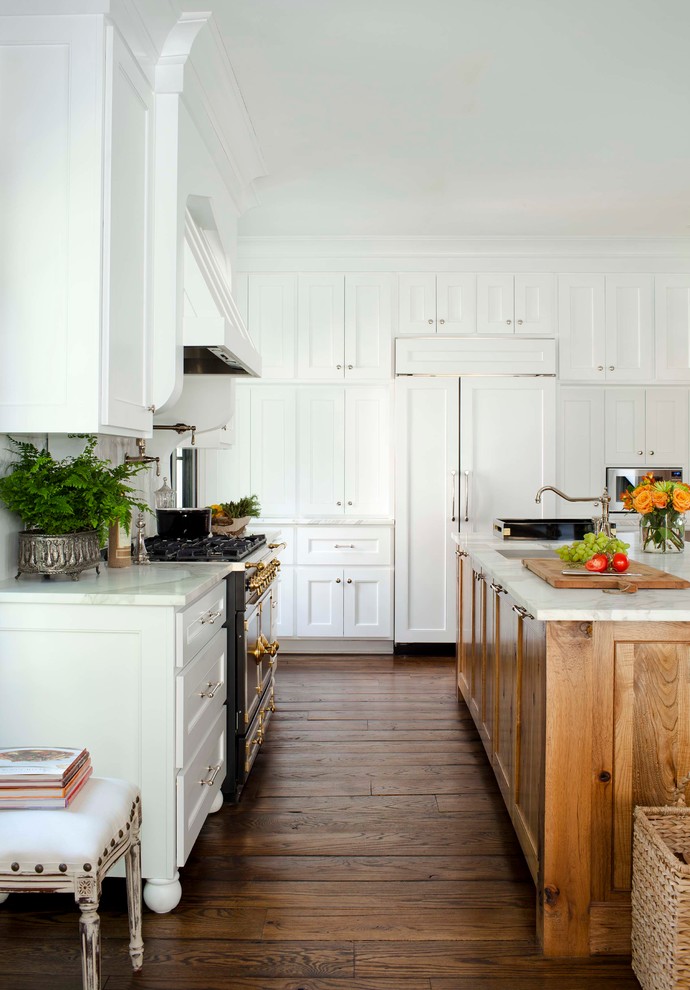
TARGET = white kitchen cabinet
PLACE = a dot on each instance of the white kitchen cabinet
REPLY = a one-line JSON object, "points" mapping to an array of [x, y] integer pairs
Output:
{"points": [[444, 304], [273, 448], [271, 318], [672, 327], [647, 427], [351, 602], [344, 327], [75, 257], [507, 449], [581, 466], [224, 472], [606, 328], [516, 304], [131, 683], [426, 508], [344, 452]]}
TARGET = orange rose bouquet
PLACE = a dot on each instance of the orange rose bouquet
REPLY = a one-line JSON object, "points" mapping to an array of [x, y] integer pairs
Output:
{"points": [[661, 506]]}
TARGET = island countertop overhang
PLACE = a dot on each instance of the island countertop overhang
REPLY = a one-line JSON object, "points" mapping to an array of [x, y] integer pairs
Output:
{"points": [[580, 604]]}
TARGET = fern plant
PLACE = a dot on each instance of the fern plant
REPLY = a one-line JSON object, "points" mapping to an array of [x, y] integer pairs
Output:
{"points": [[247, 506], [76, 493]]}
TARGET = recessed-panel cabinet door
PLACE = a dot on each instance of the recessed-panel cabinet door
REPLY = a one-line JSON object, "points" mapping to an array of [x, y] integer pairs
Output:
{"points": [[672, 327], [456, 303], [478, 644], [368, 602], [319, 601], [666, 434], [417, 304], [321, 320], [535, 310], [368, 462], [625, 427], [271, 321], [581, 328], [127, 311], [284, 605], [464, 641], [629, 328], [581, 467], [495, 304], [426, 509], [506, 681], [321, 461], [368, 302], [273, 461]]}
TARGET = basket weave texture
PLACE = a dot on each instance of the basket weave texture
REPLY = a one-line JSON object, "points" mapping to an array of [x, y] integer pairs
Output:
{"points": [[661, 898]]}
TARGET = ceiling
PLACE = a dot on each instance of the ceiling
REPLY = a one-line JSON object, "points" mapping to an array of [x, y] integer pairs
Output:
{"points": [[466, 117]]}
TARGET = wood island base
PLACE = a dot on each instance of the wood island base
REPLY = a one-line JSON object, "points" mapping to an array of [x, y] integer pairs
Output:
{"points": [[581, 722]]}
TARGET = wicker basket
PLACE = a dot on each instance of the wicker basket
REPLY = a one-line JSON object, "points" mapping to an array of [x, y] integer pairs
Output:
{"points": [[661, 898], [235, 527]]}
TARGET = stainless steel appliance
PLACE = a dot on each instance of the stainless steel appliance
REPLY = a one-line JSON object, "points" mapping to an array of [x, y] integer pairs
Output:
{"points": [[619, 479], [252, 647]]}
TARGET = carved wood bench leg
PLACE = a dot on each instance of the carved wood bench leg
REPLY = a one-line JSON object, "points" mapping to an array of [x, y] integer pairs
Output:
{"points": [[90, 931], [133, 875]]}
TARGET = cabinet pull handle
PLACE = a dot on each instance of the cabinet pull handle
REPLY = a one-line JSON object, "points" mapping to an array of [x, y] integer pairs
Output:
{"points": [[522, 612], [461, 553], [214, 771], [213, 691], [277, 546], [467, 497], [453, 475], [498, 588], [210, 618], [344, 546]]}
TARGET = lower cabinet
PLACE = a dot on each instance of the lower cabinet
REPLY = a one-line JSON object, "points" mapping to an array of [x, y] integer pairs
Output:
{"points": [[143, 688], [501, 676], [350, 602]]}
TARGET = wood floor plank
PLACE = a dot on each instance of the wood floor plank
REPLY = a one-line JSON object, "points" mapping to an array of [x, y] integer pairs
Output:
{"points": [[371, 850]]}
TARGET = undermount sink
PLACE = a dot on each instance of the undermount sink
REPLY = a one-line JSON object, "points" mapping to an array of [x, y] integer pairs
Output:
{"points": [[520, 552]]}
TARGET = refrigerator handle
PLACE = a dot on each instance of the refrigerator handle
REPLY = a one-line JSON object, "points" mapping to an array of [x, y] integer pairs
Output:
{"points": [[467, 497], [453, 475]]}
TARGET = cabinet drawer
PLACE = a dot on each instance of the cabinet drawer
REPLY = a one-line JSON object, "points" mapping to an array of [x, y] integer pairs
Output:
{"points": [[199, 623], [201, 691], [345, 545], [197, 786]]}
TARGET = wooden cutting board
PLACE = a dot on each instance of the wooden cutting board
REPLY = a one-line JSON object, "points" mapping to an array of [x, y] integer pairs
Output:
{"points": [[640, 576]]}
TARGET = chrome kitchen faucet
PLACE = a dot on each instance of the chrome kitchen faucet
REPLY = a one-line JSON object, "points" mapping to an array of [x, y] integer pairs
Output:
{"points": [[604, 499]]}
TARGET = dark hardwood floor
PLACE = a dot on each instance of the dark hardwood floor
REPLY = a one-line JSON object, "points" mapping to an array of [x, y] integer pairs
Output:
{"points": [[370, 851]]}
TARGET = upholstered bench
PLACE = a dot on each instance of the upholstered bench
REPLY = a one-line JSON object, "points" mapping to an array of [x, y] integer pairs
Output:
{"points": [[72, 849]]}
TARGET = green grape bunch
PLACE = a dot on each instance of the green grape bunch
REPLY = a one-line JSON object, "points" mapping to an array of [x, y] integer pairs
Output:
{"points": [[580, 551]]}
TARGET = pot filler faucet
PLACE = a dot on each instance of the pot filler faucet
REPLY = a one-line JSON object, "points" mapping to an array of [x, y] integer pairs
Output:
{"points": [[605, 499]]}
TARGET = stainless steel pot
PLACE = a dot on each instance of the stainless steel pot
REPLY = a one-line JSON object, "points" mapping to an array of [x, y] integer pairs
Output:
{"points": [[184, 524]]}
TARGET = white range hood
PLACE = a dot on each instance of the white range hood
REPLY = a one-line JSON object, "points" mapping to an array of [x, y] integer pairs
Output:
{"points": [[216, 341]]}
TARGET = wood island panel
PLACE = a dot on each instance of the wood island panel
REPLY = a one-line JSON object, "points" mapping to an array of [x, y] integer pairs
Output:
{"points": [[589, 719]]}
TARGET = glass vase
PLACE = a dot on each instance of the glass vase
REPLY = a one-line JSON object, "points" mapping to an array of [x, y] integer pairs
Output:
{"points": [[662, 531]]}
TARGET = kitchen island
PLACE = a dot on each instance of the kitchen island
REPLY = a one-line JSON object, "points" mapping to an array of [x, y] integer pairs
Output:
{"points": [[582, 700]]}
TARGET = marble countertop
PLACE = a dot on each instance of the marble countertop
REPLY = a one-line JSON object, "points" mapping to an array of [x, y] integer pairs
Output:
{"points": [[176, 584], [581, 604]]}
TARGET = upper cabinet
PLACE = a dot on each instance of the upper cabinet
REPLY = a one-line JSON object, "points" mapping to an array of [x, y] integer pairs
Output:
{"points": [[437, 303], [344, 327], [272, 322], [460, 303], [647, 426], [515, 304], [672, 310], [606, 328], [76, 206]]}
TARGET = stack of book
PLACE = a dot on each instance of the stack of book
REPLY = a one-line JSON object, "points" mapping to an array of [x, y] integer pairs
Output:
{"points": [[42, 777]]}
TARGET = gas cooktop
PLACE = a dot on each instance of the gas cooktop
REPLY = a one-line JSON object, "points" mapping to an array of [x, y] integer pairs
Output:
{"points": [[203, 550]]}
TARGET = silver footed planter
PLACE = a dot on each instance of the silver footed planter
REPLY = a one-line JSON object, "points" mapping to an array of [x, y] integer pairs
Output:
{"points": [[70, 553]]}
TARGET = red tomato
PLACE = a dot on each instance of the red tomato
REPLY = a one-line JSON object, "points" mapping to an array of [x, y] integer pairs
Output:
{"points": [[620, 562], [599, 562]]}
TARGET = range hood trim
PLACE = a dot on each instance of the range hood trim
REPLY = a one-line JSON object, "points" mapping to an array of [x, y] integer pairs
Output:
{"points": [[225, 338]]}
